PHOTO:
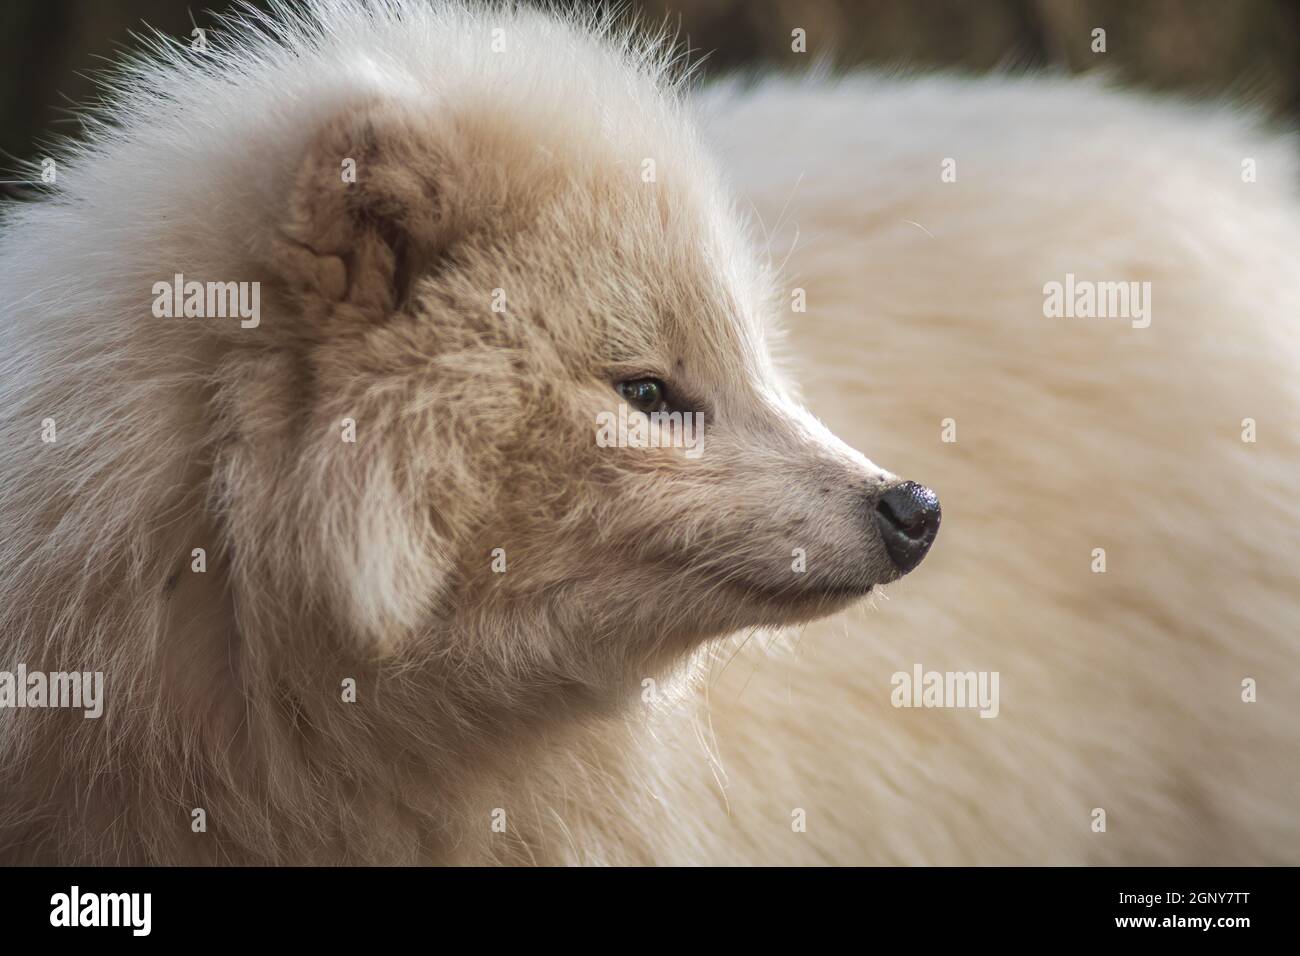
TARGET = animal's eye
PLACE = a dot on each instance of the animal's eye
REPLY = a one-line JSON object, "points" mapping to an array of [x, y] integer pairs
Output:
{"points": [[644, 394]]}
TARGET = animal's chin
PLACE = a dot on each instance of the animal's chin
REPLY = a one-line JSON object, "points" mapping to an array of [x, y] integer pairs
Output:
{"points": [[793, 605]]}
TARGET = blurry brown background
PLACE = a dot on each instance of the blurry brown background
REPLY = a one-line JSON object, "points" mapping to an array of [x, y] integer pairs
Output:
{"points": [[1249, 48]]}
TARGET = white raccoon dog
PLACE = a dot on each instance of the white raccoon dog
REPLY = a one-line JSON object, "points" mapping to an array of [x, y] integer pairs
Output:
{"points": [[364, 587]]}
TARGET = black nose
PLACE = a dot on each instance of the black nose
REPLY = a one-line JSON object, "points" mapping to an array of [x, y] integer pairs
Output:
{"points": [[908, 518]]}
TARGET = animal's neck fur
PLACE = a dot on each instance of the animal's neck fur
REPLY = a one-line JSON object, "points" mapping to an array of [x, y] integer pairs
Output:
{"points": [[286, 770]]}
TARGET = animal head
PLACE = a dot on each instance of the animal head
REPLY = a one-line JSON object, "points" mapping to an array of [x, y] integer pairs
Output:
{"points": [[516, 389]]}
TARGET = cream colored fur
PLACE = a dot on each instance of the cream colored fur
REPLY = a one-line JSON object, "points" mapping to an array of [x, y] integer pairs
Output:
{"points": [[525, 692]]}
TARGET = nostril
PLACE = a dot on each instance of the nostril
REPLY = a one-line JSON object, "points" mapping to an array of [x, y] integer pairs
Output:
{"points": [[909, 522], [910, 509], [908, 518]]}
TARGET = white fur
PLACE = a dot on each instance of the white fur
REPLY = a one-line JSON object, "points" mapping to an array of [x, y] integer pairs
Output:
{"points": [[1119, 690]]}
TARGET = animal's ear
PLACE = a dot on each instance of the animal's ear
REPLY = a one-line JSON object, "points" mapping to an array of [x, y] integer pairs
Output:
{"points": [[364, 213]]}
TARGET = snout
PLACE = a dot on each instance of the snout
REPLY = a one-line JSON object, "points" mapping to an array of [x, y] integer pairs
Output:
{"points": [[907, 516]]}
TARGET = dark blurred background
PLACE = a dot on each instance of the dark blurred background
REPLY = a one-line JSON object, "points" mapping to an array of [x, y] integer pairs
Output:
{"points": [[1247, 48]]}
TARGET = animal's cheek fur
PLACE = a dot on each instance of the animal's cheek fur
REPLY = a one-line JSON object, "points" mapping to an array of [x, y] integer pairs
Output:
{"points": [[654, 523]]}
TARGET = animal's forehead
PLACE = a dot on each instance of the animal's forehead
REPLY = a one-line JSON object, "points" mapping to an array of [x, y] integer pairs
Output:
{"points": [[670, 287], [627, 243]]}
